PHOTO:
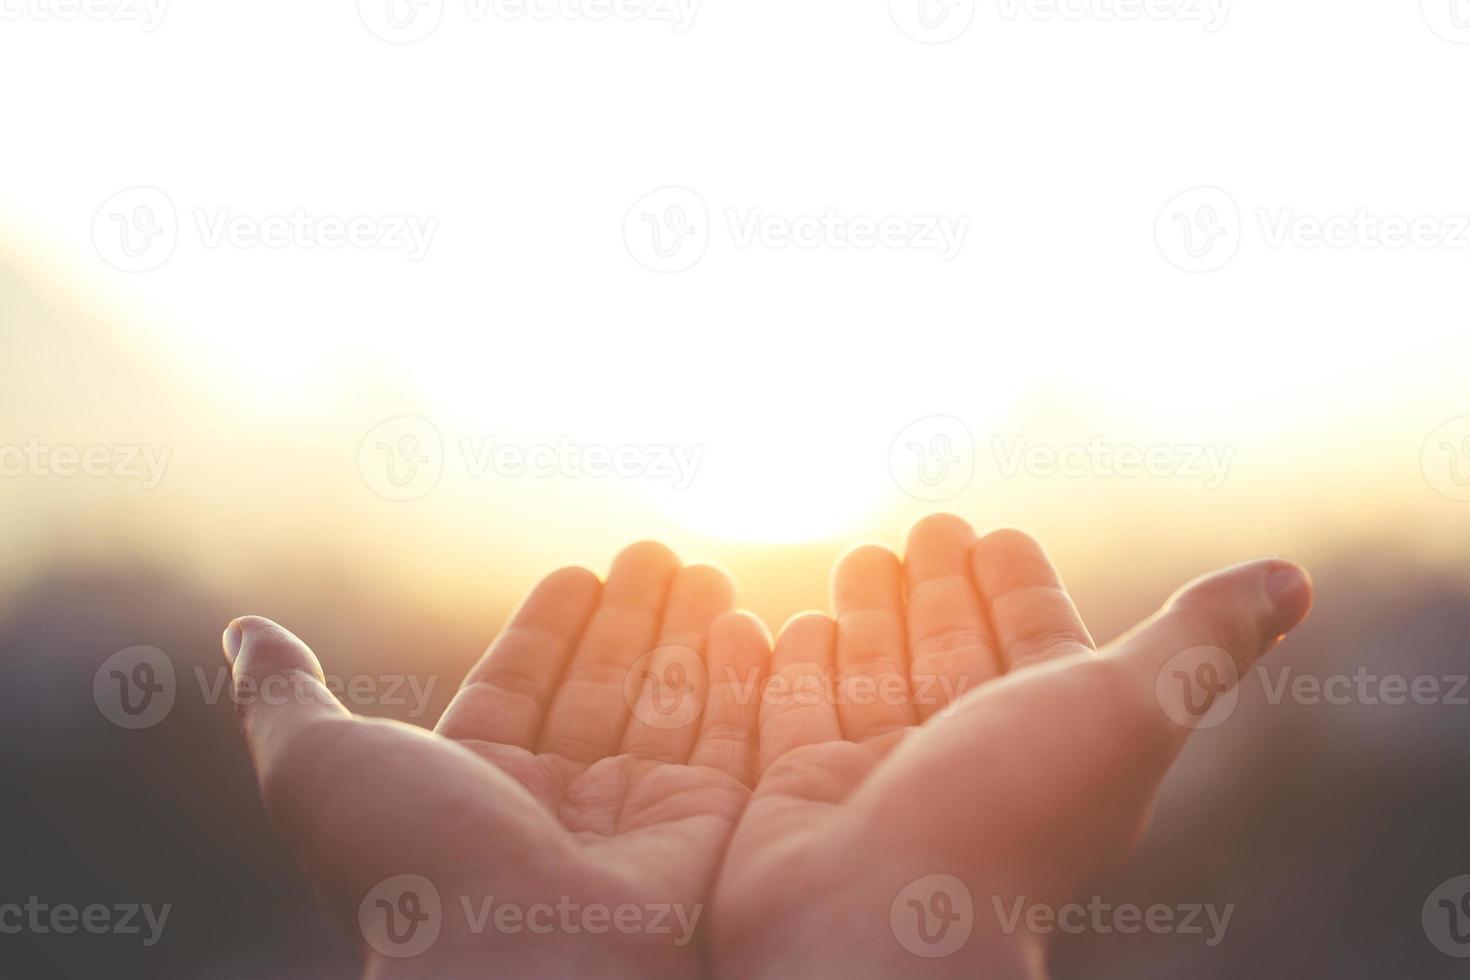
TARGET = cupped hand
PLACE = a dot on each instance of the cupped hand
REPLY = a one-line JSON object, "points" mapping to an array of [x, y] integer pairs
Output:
{"points": [[560, 821], [952, 747]]}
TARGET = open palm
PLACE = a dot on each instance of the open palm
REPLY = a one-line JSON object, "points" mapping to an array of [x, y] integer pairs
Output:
{"points": [[974, 755], [562, 818]]}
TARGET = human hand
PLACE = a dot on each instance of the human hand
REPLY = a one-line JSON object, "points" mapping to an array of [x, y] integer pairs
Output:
{"points": [[548, 784], [1027, 769]]}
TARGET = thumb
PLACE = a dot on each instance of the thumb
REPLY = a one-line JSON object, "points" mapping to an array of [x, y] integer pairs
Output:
{"points": [[278, 687], [1193, 653]]}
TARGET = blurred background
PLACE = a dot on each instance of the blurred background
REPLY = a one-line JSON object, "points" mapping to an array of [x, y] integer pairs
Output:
{"points": [[364, 318]]}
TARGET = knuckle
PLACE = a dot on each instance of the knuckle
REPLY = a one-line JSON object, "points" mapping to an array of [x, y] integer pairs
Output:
{"points": [[1048, 641]]}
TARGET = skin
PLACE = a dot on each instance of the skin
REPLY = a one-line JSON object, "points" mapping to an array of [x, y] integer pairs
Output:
{"points": [[1035, 779], [541, 783], [954, 718]]}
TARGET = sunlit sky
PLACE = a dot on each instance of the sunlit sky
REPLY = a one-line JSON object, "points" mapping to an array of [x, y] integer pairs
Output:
{"points": [[529, 318]]}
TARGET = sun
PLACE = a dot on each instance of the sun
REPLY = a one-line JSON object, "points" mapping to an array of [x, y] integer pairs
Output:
{"points": [[767, 489]]}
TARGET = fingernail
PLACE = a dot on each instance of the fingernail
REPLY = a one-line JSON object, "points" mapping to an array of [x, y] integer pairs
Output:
{"points": [[1290, 592], [233, 637]]}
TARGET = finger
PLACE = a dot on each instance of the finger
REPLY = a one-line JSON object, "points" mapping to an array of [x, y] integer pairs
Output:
{"points": [[1210, 633], [506, 695], [950, 647], [1034, 618], [872, 667], [667, 688], [279, 688], [797, 707], [590, 708], [739, 650]]}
